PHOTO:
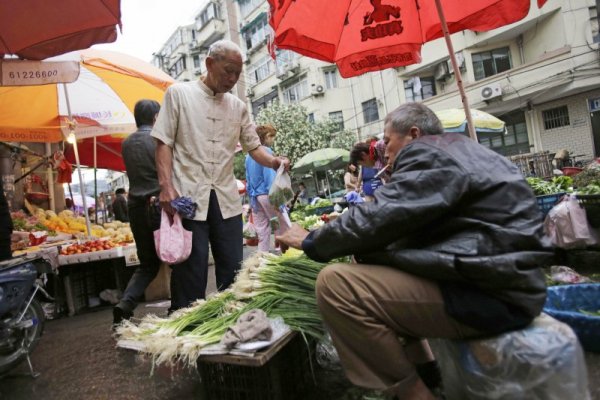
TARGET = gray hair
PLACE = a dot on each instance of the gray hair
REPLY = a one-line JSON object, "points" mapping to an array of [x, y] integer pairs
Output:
{"points": [[414, 114], [220, 48]]}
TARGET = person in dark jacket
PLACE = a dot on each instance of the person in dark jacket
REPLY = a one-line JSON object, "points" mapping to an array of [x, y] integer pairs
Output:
{"points": [[138, 155], [119, 206], [451, 247]]}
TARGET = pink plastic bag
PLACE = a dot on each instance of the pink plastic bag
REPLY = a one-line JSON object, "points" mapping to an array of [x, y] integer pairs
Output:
{"points": [[567, 225], [172, 241]]}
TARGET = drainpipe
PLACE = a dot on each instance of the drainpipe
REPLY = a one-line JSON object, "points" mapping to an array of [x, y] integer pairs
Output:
{"points": [[354, 108], [520, 46]]}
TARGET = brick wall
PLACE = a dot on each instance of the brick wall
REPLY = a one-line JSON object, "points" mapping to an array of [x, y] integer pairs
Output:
{"points": [[577, 137]]}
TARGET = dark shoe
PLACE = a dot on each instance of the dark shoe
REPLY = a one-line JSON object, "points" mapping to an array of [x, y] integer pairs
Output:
{"points": [[119, 315]]}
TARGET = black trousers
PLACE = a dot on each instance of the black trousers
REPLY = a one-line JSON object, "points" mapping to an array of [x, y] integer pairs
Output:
{"points": [[189, 278], [144, 220]]}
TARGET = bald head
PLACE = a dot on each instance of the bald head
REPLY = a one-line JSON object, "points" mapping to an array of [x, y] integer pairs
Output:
{"points": [[221, 48]]}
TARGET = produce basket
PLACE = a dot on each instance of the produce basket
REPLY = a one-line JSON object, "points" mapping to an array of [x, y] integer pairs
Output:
{"points": [[571, 171], [565, 304], [546, 202], [591, 203]]}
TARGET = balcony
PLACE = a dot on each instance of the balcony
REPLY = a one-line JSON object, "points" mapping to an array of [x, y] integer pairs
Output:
{"points": [[210, 32]]}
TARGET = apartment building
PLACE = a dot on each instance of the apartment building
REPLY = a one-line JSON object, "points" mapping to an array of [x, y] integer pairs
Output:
{"points": [[540, 75]]}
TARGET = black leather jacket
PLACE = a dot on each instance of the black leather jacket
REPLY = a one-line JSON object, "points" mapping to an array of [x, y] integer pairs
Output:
{"points": [[457, 213]]}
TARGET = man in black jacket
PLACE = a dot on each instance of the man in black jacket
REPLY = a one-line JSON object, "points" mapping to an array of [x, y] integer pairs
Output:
{"points": [[6, 227], [452, 247], [119, 206], [138, 154]]}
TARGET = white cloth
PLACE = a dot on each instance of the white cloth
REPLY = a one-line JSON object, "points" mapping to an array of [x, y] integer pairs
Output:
{"points": [[203, 130]]}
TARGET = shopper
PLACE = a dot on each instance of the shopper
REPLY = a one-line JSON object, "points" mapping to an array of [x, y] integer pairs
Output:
{"points": [[197, 130], [451, 247], [138, 152], [258, 182], [119, 206]]}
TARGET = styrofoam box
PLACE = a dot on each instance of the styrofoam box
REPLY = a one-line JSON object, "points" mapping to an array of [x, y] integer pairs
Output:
{"points": [[92, 256]]}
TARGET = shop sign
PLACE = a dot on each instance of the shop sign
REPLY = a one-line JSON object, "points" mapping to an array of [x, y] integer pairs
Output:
{"points": [[26, 73]]}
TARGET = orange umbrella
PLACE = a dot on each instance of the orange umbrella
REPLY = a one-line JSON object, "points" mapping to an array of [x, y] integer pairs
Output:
{"points": [[100, 101], [38, 29]]}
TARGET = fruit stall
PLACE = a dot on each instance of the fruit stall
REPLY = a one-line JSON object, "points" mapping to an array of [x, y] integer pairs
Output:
{"points": [[83, 265]]}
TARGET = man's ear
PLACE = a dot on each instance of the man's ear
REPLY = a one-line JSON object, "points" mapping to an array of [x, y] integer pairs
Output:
{"points": [[414, 132]]}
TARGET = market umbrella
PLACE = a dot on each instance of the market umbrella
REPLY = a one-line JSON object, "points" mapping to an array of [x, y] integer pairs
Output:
{"points": [[38, 29], [454, 120], [371, 35], [100, 101], [322, 160]]}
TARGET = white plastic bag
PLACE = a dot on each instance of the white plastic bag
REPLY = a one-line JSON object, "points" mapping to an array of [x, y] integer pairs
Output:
{"points": [[172, 241], [567, 225], [281, 190]]}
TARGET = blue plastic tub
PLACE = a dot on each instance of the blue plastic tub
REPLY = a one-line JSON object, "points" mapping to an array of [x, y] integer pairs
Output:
{"points": [[565, 304], [547, 202]]}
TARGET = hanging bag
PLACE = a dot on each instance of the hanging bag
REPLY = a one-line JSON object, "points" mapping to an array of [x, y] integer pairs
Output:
{"points": [[281, 190], [172, 241]]}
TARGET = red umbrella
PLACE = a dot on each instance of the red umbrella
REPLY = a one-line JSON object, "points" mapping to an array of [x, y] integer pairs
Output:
{"points": [[38, 29], [108, 153], [371, 35]]}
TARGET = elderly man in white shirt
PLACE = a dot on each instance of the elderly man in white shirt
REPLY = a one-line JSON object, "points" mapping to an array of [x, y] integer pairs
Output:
{"points": [[197, 130]]}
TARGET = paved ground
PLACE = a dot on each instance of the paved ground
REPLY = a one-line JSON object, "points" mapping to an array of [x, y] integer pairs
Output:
{"points": [[77, 359]]}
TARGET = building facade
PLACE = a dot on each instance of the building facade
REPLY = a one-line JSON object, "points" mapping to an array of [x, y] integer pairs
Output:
{"points": [[540, 75]]}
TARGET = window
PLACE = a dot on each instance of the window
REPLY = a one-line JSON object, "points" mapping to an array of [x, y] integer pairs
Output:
{"points": [[338, 118], [311, 118], [210, 12], [419, 89], [296, 92], [247, 6], [491, 62], [514, 141], [370, 111], [261, 70], [556, 117], [177, 68], [264, 102], [285, 58], [257, 33], [196, 59], [330, 78]]}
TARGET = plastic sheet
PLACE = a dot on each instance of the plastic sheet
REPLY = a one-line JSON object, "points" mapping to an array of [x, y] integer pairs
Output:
{"points": [[541, 362], [327, 356]]}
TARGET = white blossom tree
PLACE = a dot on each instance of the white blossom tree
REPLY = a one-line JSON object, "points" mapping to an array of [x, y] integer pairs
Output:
{"points": [[297, 136]]}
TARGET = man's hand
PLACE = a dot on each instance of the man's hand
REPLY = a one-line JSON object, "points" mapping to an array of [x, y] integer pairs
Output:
{"points": [[277, 161], [292, 237], [167, 195]]}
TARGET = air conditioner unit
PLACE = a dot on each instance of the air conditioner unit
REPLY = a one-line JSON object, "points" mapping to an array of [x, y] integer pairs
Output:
{"points": [[491, 91], [249, 92], [441, 71], [318, 90]]}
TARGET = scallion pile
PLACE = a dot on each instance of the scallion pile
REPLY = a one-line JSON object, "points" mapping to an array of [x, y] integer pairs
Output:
{"points": [[279, 285]]}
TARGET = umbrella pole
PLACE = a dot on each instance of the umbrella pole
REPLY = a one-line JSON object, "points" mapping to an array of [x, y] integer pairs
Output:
{"points": [[95, 181], [457, 73], [50, 179], [76, 151]]}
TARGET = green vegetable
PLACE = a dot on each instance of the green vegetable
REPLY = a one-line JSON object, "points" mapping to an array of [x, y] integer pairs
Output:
{"points": [[280, 196]]}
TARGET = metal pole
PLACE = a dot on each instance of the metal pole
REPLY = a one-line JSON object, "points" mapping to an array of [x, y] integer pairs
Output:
{"points": [[457, 73], [95, 181], [50, 178], [76, 151]]}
